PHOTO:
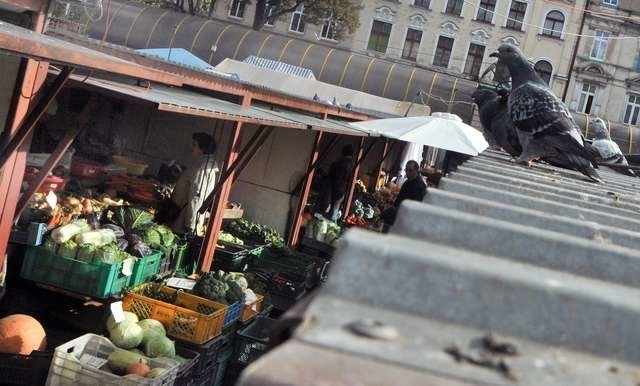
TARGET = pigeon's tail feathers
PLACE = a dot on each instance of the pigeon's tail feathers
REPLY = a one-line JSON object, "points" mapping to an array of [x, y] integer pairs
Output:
{"points": [[564, 143], [584, 166], [622, 168], [573, 155]]}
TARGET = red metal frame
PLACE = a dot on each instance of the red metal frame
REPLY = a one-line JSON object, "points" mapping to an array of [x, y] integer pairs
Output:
{"points": [[294, 234], [29, 5], [29, 122]]}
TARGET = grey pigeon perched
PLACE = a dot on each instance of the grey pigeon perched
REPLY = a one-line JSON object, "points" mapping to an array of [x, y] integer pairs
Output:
{"points": [[495, 119], [545, 127], [609, 151]]}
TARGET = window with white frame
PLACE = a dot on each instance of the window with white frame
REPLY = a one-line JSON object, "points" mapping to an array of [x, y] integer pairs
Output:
{"points": [[632, 110], [600, 44], [474, 60], [422, 3], [443, 52], [611, 3], [553, 24], [379, 37], [328, 30], [454, 7], [544, 69], [236, 9], [587, 97], [411, 44], [297, 20], [268, 11], [485, 11], [516, 15]]}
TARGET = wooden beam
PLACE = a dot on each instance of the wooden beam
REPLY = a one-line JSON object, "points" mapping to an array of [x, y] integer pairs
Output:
{"points": [[28, 5], [30, 121], [294, 234]]}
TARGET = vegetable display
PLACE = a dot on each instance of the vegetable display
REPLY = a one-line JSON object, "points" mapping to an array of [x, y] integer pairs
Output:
{"points": [[222, 287], [248, 230]]}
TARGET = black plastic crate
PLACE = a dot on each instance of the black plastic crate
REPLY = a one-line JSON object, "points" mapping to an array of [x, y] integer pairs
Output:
{"points": [[25, 369], [221, 367], [231, 257], [209, 351], [287, 285], [253, 340], [186, 372]]}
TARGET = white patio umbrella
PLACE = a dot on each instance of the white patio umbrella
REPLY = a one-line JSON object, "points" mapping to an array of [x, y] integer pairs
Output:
{"points": [[441, 130]]}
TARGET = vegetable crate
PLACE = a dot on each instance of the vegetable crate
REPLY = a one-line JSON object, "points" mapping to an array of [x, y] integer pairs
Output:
{"points": [[186, 372], [145, 268], [221, 367], [209, 351], [97, 279], [252, 309], [25, 370], [232, 257], [253, 340], [83, 362], [234, 311], [185, 316]]}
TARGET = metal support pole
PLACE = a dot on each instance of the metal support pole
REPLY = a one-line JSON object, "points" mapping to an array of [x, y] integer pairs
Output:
{"points": [[321, 157], [354, 176], [55, 157], [294, 234], [30, 121], [378, 169]]}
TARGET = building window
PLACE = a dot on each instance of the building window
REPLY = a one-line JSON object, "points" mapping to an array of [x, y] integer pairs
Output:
{"points": [[237, 8], [411, 44], [297, 20], [474, 60], [443, 52], [611, 3], [632, 110], [553, 24], [516, 15], [485, 11], [454, 7], [544, 69], [328, 29], [268, 10], [422, 3], [587, 96], [600, 43], [379, 37]]}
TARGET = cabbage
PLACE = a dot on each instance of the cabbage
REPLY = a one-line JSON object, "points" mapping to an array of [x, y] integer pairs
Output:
{"points": [[68, 249], [66, 232], [109, 254], [86, 252], [150, 334], [126, 335], [160, 346], [128, 317], [154, 373], [152, 325]]}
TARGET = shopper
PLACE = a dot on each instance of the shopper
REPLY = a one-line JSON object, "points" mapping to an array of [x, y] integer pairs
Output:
{"points": [[339, 178], [194, 185], [414, 187]]}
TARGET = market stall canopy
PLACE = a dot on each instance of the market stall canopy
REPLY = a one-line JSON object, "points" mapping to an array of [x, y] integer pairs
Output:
{"points": [[328, 125], [441, 130], [191, 103], [26, 43]]}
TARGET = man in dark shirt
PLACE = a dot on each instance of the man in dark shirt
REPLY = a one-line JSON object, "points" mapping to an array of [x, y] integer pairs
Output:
{"points": [[339, 178], [414, 187]]}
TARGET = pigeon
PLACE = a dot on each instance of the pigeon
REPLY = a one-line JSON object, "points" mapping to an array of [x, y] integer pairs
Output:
{"points": [[544, 125], [609, 153], [495, 119]]}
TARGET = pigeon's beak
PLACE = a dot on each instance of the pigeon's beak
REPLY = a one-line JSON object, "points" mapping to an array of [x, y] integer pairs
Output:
{"points": [[495, 54]]}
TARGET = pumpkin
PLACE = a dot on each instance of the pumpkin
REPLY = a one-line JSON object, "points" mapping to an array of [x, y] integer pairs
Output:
{"points": [[138, 368], [21, 334]]}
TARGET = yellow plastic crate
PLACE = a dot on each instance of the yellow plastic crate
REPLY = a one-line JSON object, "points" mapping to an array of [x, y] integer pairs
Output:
{"points": [[184, 316], [252, 309]]}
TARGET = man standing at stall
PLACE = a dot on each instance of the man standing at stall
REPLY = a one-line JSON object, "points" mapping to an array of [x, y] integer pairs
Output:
{"points": [[414, 187], [339, 178], [195, 184]]}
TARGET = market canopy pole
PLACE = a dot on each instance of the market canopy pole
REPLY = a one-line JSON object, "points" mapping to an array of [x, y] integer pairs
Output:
{"points": [[321, 157], [56, 156], [294, 233], [388, 149], [354, 176], [32, 118]]}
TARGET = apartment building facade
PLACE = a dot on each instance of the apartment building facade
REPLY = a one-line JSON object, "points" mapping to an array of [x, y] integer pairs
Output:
{"points": [[606, 78]]}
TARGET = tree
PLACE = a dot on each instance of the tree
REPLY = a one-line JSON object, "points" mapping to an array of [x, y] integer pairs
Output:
{"points": [[342, 13]]}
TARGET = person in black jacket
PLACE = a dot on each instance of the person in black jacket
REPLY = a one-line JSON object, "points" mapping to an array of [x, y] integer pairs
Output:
{"points": [[414, 187], [338, 182]]}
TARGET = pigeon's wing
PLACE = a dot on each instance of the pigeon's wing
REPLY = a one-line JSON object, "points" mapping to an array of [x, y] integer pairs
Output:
{"points": [[534, 109], [505, 132], [609, 150]]}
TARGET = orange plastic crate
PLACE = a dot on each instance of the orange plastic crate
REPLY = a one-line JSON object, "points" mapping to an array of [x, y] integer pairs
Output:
{"points": [[184, 316], [249, 312]]}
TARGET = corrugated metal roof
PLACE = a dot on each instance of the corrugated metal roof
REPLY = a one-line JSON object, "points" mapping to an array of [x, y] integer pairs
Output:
{"points": [[539, 257], [282, 67]]}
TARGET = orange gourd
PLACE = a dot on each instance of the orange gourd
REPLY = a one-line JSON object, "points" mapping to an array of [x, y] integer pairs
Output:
{"points": [[21, 334], [138, 368]]}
